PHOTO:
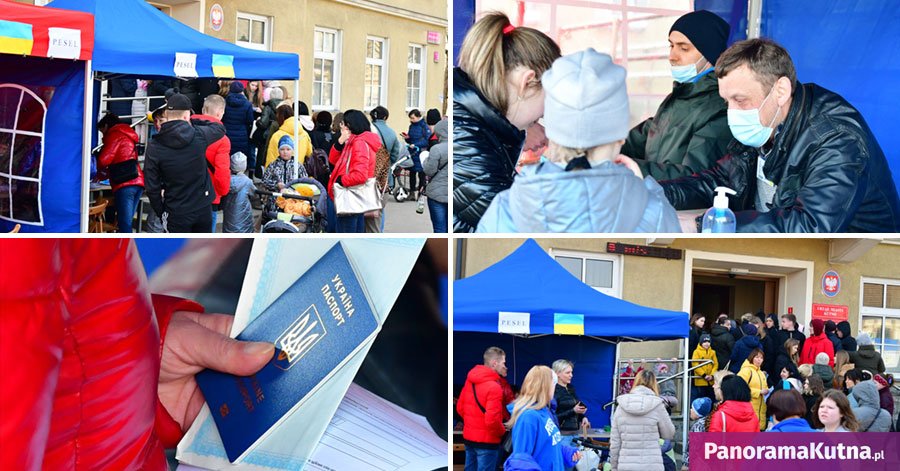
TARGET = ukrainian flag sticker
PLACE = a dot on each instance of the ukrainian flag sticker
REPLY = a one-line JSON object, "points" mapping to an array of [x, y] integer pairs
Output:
{"points": [[223, 66], [568, 324], [15, 38]]}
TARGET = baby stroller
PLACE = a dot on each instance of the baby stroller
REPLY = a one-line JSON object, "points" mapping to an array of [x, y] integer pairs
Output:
{"points": [[400, 169], [280, 216], [593, 454]]}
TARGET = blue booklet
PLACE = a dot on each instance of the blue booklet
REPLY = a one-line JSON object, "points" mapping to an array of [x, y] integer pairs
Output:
{"points": [[317, 324]]}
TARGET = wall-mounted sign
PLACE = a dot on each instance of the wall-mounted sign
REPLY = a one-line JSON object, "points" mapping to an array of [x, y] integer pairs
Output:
{"points": [[437, 57], [831, 283], [830, 312], [643, 251], [216, 17], [434, 37], [514, 323]]}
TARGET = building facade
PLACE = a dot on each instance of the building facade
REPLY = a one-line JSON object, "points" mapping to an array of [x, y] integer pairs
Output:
{"points": [[853, 279]]}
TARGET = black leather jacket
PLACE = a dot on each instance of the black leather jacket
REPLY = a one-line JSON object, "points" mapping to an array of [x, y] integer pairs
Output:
{"points": [[485, 149], [830, 172]]}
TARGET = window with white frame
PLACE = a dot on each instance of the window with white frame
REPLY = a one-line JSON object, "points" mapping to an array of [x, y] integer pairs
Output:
{"points": [[22, 119], [376, 72], [41, 3], [326, 69], [253, 31], [879, 313], [415, 77], [602, 272]]}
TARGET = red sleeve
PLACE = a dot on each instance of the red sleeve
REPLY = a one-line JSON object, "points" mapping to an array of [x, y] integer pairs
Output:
{"points": [[167, 429], [461, 402], [715, 422], [222, 163], [829, 348], [108, 153], [493, 410]]}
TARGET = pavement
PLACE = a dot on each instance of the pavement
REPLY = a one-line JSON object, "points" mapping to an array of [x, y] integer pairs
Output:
{"points": [[402, 217]]}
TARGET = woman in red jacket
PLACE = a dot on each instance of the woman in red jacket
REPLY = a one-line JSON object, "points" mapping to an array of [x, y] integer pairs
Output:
{"points": [[735, 413], [118, 162], [96, 374], [353, 162], [817, 343]]}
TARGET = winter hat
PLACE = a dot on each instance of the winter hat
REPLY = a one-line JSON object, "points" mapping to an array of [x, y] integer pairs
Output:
{"points": [[285, 141], [749, 329], [702, 406], [276, 94], [880, 380], [864, 339], [822, 358], [662, 368], [238, 162], [818, 325], [585, 103], [844, 327], [830, 327], [705, 338], [236, 87], [774, 318], [178, 102], [707, 32]]}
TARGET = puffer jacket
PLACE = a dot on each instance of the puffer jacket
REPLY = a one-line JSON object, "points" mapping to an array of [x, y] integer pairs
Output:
{"points": [[436, 165], [218, 158], [722, 343], [419, 134], [302, 148], [814, 345], [869, 414], [481, 428], [830, 172], [867, 358], [755, 378], [824, 372], [486, 147], [699, 355], [742, 349], [734, 416], [80, 345], [118, 146], [360, 151], [606, 198], [639, 422], [689, 132], [566, 399], [847, 341], [238, 119]]}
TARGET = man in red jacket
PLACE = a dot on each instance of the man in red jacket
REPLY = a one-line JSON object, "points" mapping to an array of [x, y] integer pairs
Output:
{"points": [[118, 161], [94, 373], [816, 343], [480, 405], [218, 161]]}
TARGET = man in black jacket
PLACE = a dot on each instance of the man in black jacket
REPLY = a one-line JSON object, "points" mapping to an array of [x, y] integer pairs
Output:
{"points": [[803, 159], [175, 169]]}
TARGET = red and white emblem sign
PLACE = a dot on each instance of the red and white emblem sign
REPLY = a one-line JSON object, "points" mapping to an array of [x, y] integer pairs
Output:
{"points": [[216, 17], [831, 283]]}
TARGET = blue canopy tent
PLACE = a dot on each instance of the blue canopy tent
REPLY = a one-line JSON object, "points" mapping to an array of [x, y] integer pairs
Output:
{"points": [[531, 281], [123, 47]]}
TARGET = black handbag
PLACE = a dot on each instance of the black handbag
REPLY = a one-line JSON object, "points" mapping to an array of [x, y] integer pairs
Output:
{"points": [[122, 172]]}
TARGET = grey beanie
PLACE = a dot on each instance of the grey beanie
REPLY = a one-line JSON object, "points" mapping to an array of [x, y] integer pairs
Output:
{"points": [[864, 339], [276, 94], [238, 162], [585, 103]]}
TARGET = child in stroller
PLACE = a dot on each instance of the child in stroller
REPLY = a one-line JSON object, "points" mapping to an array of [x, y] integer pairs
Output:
{"points": [[301, 207]]}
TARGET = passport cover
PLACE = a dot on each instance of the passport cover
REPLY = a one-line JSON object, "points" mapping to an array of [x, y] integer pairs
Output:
{"points": [[316, 325]]}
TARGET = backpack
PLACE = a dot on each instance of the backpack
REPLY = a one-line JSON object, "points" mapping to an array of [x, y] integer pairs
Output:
{"points": [[317, 166]]}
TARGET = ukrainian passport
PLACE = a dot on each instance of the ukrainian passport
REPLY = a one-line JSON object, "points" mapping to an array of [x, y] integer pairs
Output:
{"points": [[317, 325]]}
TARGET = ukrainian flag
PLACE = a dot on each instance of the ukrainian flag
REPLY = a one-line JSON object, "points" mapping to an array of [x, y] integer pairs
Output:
{"points": [[568, 324], [15, 38], [223, 66]]}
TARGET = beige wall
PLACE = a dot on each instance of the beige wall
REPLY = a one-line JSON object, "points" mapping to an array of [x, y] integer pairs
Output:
{"points": [[659, 283], [294, 23]]}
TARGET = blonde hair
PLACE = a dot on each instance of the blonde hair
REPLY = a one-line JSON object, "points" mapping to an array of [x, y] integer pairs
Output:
{"points": [[562, 154], [718, 376], [490, 50], [805, 370], [841, 359], [647, 379], [535, 393], [560, 365]]}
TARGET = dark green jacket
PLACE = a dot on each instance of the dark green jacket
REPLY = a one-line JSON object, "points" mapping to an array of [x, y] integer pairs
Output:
{"points": [[688, 134]]}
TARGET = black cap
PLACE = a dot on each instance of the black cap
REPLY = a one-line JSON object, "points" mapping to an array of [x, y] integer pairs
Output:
{"points": [[178, 102], [707, 31]]}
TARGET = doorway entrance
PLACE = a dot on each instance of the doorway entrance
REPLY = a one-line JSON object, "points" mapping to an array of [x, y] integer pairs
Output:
{"points": [[715, 293]]}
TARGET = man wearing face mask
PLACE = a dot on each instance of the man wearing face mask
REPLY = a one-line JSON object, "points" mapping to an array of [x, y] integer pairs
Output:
{"points": [[803, 159], [689, 131]]}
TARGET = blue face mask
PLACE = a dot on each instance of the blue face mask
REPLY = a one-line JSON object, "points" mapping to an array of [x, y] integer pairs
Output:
{"points": [[684, 73], [746, 127]]}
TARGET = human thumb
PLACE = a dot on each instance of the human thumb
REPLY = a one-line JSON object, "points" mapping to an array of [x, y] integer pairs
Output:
{"points": [[221, 353]]}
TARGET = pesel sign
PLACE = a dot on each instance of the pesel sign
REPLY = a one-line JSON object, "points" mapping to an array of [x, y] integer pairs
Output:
{"points": [[830, 312]]}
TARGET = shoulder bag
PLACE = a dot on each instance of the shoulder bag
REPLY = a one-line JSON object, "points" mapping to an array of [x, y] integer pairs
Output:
{"points": [[355, 199]]}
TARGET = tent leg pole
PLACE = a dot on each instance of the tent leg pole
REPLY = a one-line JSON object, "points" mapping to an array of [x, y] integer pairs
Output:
{"points": [[87, 126], [686, 402], [296, 126], [615, 390]]}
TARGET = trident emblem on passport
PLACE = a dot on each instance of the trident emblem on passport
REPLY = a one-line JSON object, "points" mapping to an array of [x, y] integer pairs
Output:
{"points": [[299, 338]]}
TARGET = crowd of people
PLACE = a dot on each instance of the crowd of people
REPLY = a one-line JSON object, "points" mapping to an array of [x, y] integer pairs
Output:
{"points": [[214, 143], [542, 142], [783, 381]]}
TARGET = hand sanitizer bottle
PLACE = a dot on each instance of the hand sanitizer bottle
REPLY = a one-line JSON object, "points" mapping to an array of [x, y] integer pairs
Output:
{"points": [[720, 219]]}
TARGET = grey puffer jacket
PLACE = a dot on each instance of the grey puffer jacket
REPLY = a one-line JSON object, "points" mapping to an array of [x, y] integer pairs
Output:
{"points": [[436, 165], [871, 417], [639, 422]]}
